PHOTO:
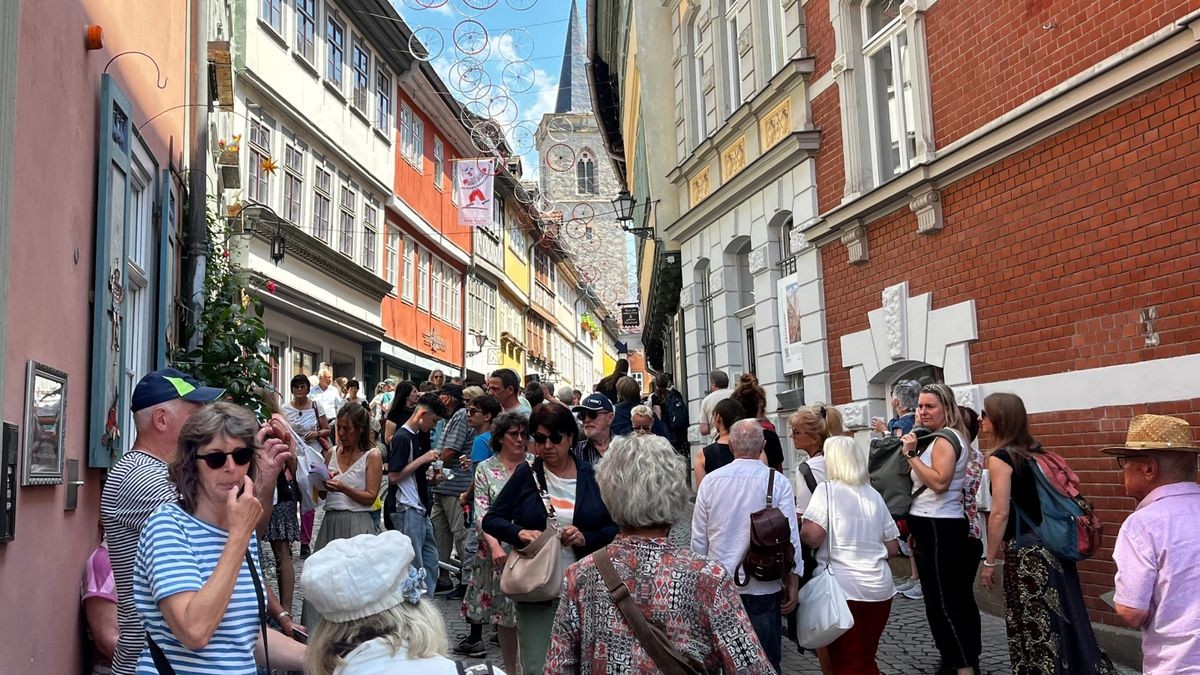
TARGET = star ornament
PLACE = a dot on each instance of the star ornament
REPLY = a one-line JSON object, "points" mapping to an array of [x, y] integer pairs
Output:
{"points": [[268, 165]]}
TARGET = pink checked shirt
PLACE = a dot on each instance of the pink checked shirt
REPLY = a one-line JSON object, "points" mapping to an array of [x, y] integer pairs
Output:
{"points": [[1156, 554]]}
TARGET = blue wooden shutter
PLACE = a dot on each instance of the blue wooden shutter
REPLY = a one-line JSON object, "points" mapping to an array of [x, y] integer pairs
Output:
{"points": [[112, 214], [167, 252]]}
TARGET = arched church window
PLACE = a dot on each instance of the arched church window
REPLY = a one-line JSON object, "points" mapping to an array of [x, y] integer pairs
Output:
{"points": [[585, 174]]}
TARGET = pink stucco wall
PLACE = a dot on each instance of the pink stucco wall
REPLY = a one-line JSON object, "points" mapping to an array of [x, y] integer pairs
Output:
{"points": [[50, 275]]}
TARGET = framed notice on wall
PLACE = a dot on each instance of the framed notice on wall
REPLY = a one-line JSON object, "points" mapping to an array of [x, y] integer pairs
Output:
{"points": [[789, 293]]}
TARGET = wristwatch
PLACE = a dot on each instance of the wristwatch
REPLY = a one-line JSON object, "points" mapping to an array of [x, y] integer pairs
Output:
{"points": [[915, 452]]}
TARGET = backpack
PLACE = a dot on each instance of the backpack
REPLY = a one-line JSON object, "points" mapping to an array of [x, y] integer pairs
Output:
{"points": [[675, 412], [771, 555], [890, 472], [1070, 528], [808, 556]]}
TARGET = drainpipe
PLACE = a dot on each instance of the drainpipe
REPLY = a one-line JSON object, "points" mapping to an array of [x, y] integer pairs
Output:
{"points": [[195, 258]]}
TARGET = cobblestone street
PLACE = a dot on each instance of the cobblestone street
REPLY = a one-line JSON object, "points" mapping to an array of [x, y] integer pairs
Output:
{"points": [[906, 646]]}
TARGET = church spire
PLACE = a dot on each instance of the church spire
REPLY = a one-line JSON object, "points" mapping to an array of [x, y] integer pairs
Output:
{"points": [[573, 92]]}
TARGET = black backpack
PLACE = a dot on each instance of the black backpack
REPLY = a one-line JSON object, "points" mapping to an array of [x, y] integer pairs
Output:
{"points": [[675, 412], [808, 556]]}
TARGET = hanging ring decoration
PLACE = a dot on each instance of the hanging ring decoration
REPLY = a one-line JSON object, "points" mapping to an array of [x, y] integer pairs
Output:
{"points": [[560, 157], [518, 77], [430, 4], [470, 37], [426, 43], [157, 71], [521, 5], [480, 5], [519, 43], [584, 213], [524, 136], [503, 110], [560, 129]]}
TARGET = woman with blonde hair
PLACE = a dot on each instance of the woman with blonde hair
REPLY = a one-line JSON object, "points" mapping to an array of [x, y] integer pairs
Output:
{"points": [[848, 523], [811, 426]]}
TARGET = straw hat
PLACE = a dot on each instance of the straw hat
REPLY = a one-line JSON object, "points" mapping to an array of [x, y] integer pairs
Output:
{"points": [[1155, 432]]}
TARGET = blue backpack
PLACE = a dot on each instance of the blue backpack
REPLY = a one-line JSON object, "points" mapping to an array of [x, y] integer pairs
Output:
{"points": [[1070, 528]]}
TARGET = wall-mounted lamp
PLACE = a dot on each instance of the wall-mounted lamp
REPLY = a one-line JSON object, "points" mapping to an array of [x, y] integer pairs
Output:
{"points": [[623, 207], [480, 340], [278, 245]]}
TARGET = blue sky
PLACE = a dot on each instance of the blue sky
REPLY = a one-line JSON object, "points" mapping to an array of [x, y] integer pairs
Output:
{"points": [[538, 34]]}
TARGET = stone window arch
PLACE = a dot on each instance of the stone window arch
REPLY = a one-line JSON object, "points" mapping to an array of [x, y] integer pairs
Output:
{"points": [[741, 280], [585, 174]]}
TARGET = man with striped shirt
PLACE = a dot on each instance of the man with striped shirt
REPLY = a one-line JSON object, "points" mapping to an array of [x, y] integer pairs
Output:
{"points": [[137, 485]]}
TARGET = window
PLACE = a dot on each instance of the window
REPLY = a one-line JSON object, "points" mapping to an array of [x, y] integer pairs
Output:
{"points": [[439, 163], [260, 153], [516, 242], [412, 137], [775, 50], [383, 100], [740, 259], [454, 283], [322, 203], [406, 269], [438, 297], [708, 345], [360, 61], [696, 82], [304, 362], [585, 174], [335, 37], [423, 260], [731, 60], [140, 270], [370, 232], [293, 182], [306, 29], [481, 310], [272, 14], [889, 90], [349, 204], [391, 255]]}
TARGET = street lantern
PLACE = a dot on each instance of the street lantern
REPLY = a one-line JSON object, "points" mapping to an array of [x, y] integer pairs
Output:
{"points": [[480, 340], [623, 206], [278, 246]]}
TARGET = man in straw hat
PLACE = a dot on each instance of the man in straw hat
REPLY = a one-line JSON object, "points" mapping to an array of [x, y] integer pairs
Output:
{"points": [[1158, 580]]}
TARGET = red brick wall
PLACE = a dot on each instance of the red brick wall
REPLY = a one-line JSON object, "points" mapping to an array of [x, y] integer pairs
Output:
{"points": [[819, 31], [987, 57], [831, 170], [1059, 245], [1077, 435]]}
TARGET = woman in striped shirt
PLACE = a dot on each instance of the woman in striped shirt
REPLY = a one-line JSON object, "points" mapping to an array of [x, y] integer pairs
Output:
{"points": [[192, 580]]}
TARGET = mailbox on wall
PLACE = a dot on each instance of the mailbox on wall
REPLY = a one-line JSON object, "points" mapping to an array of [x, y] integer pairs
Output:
{"points": [[8, 481]]}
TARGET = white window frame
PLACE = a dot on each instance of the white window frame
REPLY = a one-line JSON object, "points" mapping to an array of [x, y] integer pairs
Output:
{"points": [[383, 100], [774, 39], [347, 214], [901, 114], [271, 14], [140, 272], [695, 68], [259, 187], [322, 218], [424, 262], [335, 51], [293, 182], [732, 83], [391, 254], [412, 138], [516, 243], [439, 163], [407, 261], [454, 282], [370, 237], [306, 30], [360, 75]]}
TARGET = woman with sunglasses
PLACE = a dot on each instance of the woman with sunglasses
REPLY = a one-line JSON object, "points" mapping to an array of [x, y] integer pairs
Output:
{"points": [[517, 517], [355, 472], [483, 602], [193, 582]]}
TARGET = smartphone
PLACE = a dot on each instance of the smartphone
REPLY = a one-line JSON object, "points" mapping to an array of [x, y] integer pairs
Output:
{"points": [[299, 635]]}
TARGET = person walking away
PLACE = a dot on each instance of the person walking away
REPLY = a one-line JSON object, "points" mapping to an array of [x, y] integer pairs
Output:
{"points": [[195, 582], [608, 385], [449, 526], [754, 403], [848, 523], [689, 596], [373, 619], [408, 502], [673, 411], [483, 601], [718, 390], [718, 453], [1158, 580], [518, 517], [596, 414], [629, 395], [947, 553], [721, 528]]}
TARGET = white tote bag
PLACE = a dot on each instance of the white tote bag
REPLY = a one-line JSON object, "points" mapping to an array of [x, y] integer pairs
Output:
{"points": [[823, 614]]}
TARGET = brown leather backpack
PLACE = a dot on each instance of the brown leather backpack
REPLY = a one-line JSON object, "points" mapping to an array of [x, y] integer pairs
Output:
{"points": [[771, 556]]}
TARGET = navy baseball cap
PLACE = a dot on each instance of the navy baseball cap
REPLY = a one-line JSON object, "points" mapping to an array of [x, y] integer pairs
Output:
{"points": [[169, 384], [594, 402]]}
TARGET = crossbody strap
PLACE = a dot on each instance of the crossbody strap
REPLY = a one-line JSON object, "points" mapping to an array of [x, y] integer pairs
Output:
{"points": [[771, 489], [262, 608], [666, 657]]}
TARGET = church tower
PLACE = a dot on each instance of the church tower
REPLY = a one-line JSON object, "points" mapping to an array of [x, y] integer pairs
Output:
{"points": [[576, 175]]}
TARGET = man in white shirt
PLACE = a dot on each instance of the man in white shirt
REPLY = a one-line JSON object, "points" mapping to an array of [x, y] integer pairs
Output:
{"points": [[721, 529], [718, 391]]}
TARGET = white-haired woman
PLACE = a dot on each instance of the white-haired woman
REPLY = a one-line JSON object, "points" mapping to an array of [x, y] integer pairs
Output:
{"points": [[688, 595], [848, 522], [373, 618], [642, 418]]}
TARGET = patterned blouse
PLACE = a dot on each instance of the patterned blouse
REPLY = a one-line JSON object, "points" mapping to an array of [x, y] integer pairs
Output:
{"points": [[689, 596]]}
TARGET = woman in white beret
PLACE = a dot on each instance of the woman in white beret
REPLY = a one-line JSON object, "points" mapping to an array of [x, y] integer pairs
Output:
{"points": [[373, 620]]}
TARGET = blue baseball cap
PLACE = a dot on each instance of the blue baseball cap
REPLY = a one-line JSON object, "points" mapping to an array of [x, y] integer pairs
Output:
{"points": [[594, 402], [169, 384]]}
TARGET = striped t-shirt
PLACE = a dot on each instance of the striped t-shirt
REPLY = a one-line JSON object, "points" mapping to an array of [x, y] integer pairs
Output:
{"points": [[178, 552], [136, 486]]}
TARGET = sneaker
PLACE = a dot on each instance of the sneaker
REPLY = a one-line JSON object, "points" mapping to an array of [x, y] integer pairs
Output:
{"points": [[468, 648], [906, 584], [458, 593], [914, 593], [304, 550]]}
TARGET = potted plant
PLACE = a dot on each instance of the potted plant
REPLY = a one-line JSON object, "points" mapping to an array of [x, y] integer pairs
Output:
{"points": [[229, 162]]}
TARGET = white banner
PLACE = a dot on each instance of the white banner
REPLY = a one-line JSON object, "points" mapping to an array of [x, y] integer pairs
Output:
{"points": [[474, 189]]}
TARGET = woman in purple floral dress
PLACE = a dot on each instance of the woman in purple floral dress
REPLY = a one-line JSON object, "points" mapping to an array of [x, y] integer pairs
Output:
{"points": [[484, 603]]}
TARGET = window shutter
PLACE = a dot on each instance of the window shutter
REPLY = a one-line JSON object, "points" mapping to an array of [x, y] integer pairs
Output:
{"points": [[167, 255], [108, 299]]}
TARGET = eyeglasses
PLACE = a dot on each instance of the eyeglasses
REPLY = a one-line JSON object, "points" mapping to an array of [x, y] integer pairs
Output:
{"points": [[540, 439], [515, 433], [471, 410], [217, 460], [589, 414], [642, 428], [983, 415], [1123, 460]]}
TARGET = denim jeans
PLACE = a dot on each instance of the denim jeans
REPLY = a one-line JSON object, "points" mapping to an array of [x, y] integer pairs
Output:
{"points": [[767, 622], [417, 527]]}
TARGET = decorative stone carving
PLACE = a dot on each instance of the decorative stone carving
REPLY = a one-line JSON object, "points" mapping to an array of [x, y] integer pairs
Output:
{"points": [[758, 260], [855, 240], [854, 415], [686, 296], [911, 7], [776, 125], [895, 314], [796, 240], [839, 65], [704, 20], [967, 397], [699, 187], [744, 40], [733, 159], [927, 206], [716, 281], [706, 80]]}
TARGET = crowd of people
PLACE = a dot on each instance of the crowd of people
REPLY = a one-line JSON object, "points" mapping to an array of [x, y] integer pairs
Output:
{"points": [[546, 514]]}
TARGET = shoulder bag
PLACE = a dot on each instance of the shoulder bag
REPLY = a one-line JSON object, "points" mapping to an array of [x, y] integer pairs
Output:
{"points": [[823, 614], [668, 659], [534, 573]]}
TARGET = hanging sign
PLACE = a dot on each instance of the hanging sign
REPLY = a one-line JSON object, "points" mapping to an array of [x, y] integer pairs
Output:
{"points": [[474, 190], [631, 316]]}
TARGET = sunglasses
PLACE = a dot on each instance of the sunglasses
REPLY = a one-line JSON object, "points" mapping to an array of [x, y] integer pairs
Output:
{"points": [[640, 428], [217, 460], [540, 439], [1123, 460], [590, 414]]}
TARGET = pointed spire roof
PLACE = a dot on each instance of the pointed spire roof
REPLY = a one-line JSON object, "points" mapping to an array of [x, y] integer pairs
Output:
{"points": [[573, 91]]}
